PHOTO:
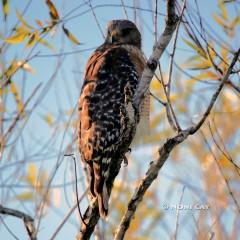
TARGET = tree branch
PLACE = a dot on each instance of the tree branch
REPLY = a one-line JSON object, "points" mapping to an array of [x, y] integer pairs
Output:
{"points": [[91, 215], [164, 152], [27, 220], [162, 43]]}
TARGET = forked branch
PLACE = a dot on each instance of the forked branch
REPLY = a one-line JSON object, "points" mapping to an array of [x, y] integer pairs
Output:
{"points": [[164, 152], [27, 220]]}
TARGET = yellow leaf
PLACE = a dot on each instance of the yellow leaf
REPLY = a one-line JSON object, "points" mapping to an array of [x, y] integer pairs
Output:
{"points": [[5, 8], [17, 38], [11, 69], [32, 39], [234, 22], [70, 36], [173, 97], [224, 162], [224, 53], [31, 174], [204, 64], [25, 196], [25, 66], [48, 119], [211, 51], [44, 43], [16, 95], [21, 19], [38, 22], [181, 108], [52, 11], [198, 49], [207, 75], [224, 62], [218, 20], [222, 9], [155, 85]]}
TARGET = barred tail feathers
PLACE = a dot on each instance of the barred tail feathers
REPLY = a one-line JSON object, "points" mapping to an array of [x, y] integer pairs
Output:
{"points": [[103, 199], [101, 172]]}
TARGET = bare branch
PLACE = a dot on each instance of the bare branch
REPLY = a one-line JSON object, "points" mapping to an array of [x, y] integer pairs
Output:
{"points": [[177, 215], [150, 176], [164, 152], [124, 9], [148, 73], [91, 215], [67, 216], [216, 94], [27, 220]]}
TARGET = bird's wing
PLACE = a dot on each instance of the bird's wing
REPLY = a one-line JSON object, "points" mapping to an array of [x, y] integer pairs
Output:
{"points": [[110, 81]]}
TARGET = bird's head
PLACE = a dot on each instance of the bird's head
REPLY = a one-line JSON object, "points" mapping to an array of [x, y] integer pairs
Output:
{"points": [[123, 32]]}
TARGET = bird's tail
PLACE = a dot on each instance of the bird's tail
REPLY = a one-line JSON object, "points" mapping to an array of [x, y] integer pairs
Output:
{"points": [[99, 188], [103, 199]]}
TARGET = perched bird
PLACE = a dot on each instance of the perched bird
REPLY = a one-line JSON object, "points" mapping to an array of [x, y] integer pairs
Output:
{"points": [[106, 116]]}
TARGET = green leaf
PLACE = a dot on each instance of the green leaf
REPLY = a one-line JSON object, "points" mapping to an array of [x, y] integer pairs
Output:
{"points": [[70, 36], [52, 11], [21, 19], [5, 8]]}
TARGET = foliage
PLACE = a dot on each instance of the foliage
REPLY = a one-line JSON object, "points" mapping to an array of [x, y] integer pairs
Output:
{"points": [[32, 153]]}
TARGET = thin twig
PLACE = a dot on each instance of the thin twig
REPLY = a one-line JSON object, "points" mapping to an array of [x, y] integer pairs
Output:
{"points": [[177, 214], [27, 220], [95, 17], [223, 151], [157, 99], [20, 113], [67, 216], [221, 171], [147, 75], [8, 229], [124, 9], [164, 152], [168, 85], [76, 186], [216, 94], [155, 23]]}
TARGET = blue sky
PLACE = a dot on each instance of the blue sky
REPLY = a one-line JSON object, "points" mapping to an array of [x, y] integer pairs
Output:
{"points": [[64, 90]]}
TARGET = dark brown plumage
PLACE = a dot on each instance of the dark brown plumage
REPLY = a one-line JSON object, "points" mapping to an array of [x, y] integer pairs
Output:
{"points": [[106, 116]]}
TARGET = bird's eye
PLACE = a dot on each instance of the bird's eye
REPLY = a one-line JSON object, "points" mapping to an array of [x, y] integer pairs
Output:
{"points": [[126, 31]]}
